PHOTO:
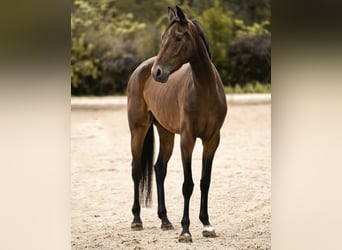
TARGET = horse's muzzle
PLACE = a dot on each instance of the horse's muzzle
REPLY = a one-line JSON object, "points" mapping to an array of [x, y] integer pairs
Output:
{"points": [[159, 75]]}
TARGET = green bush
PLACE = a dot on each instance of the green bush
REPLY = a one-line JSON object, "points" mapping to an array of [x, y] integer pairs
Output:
{"points": [[255, 87], [250, 59], [103, 48], [217, 25]]}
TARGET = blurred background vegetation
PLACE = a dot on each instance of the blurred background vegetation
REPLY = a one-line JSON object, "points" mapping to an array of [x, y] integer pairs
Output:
{"points": [[110, 38]]}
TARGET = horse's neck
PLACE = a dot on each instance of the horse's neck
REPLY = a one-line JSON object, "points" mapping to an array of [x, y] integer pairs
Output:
{"points": [[204, 75]]}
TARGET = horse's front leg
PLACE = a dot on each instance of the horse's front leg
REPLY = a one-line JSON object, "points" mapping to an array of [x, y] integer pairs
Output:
{"points": [[187, 146], [165, 150], [209, 149]]}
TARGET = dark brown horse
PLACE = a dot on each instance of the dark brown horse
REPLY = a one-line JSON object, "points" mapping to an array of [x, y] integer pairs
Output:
{"points": [[178, 91]]}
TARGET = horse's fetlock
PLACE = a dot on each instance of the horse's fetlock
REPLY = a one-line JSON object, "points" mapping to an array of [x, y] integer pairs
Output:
{"points": [[204, 218], [185, 222], [161, 213]]}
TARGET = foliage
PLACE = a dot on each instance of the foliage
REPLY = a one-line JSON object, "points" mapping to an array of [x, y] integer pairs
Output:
{"points": [[145, 10], [250, 59], [217, 26], [251, 11], [111, 37], [251, 30], [100, 40], [255, 87]]}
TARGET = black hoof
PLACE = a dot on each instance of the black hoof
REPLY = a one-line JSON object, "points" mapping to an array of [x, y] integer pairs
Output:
{"points": [[136, 226], [185, 238]]}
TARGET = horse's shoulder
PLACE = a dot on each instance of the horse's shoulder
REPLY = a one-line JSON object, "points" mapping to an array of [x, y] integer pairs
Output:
{"points": [[141, 73], [145, 66]]}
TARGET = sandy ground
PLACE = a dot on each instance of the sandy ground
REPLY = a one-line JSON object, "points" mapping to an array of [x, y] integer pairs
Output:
{"points": [[102, 188]]}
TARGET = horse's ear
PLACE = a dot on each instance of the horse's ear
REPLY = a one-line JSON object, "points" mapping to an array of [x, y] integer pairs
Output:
{"points": [[181, 15], [171, 14]]}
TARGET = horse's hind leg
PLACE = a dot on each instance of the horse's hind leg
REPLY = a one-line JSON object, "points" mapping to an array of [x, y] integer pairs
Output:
{"points": [[209, 149], [166, 146], [138, 134], [136, 147]]}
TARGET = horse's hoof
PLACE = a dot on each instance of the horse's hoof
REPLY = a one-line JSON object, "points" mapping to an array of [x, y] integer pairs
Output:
{"points": [[167, 226], [185, 238], [136, 226], [209, 231]]}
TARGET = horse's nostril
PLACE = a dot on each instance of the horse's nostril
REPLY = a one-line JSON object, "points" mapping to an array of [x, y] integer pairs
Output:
{"points": [[158, 73]]}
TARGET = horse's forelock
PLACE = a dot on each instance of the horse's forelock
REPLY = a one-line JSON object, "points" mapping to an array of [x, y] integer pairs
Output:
{"points": [[176, 19], [173, 21]]}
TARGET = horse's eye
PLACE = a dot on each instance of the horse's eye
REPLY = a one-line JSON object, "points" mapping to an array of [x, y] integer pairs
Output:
{"points": [[178, 38]]}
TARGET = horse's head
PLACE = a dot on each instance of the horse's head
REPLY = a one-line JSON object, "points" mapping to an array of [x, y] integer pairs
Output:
{"points": [[178, 45]]}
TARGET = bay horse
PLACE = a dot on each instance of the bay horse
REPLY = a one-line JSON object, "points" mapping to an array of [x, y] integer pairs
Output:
{"points": [[178, 91]]}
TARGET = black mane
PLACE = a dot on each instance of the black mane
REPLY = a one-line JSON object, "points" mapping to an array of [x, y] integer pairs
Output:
{"points": [[200, 30]]}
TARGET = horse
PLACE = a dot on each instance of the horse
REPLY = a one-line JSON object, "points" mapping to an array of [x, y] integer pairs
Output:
{"points": [[178, 91]]}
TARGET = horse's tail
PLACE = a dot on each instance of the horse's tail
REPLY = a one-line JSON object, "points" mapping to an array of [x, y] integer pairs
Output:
{"points": [[147, 168]]}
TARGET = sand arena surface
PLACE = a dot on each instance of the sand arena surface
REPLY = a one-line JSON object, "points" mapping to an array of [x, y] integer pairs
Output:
{"points": [[102, 188]]}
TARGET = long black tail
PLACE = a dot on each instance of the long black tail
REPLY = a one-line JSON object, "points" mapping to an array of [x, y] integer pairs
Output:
{"points": [[147, 168]]}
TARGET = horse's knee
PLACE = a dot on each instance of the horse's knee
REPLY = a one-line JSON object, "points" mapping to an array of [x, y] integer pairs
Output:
{"points": [[205, 184], [187, 188]]}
